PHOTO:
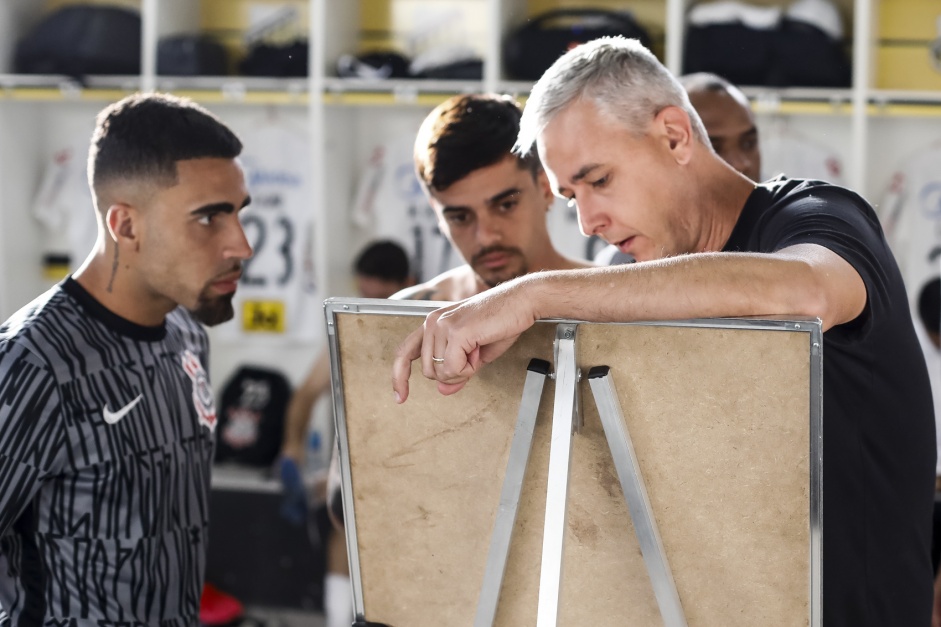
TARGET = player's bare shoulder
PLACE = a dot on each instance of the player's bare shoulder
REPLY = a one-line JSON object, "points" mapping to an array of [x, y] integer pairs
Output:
{"points": [[453, 285]]}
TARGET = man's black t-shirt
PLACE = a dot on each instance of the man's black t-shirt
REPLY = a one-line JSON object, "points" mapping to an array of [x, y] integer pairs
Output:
{"points": [[878, 418]]}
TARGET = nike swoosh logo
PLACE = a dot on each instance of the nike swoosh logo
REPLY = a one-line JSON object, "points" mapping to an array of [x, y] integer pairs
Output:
{"points": [[111, 417]]}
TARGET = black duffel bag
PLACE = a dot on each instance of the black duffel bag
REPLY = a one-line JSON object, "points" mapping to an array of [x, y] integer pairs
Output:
{"points": [[530, 49], [79, 40], [786, 53], [806, 56], [278, 60], [191, 55], [735, 51]]}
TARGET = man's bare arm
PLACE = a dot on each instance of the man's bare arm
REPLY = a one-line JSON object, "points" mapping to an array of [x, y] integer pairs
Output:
{"points": [[805, 280]]}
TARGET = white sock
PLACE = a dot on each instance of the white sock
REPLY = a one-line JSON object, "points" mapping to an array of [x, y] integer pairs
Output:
{"points": [[337, 600]]}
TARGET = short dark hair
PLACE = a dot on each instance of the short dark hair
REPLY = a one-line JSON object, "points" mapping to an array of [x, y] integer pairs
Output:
{"points": [[384, 260], [929, 305], [144, 135], [466, 133]]}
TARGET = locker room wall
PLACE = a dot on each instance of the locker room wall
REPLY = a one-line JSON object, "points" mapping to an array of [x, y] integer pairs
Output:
{"points": [[347, 121]]}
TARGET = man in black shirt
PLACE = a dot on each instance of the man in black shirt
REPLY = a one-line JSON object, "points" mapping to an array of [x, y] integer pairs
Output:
{"points": [[617, 136]]}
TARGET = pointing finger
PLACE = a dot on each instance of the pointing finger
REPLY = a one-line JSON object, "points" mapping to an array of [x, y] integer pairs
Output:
{"points": [[407, 352]]}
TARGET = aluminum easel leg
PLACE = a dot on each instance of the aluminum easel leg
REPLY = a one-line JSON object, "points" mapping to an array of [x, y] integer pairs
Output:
{"points": [[560, 455], [635, 493]]}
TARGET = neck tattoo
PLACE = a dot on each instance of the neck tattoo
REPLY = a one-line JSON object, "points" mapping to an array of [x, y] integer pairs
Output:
{"points": [[114, 270]]}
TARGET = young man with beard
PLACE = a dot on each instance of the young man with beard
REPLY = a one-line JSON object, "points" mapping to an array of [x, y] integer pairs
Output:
{"points": [[618, 136], [106, 412], [491, 204]]}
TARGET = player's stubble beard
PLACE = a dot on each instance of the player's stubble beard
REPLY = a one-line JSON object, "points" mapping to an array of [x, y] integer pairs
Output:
{"points": [[493, 279], [212, 310]]}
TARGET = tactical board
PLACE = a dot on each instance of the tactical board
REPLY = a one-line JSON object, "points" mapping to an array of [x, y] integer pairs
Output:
{"points": [[725, 421]]}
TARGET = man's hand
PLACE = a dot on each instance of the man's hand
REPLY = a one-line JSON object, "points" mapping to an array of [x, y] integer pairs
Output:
{"points": [[457, 340]]}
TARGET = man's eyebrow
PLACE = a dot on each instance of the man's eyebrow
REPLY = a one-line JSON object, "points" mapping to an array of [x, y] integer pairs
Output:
{"points": [[753, 131], [453, 209], [219, 207], [497, 198], [493, 200], [213, 208], [584, 171]]}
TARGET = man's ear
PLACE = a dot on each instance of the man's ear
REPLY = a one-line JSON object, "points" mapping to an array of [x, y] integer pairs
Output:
{"points": [[545, 188], [677, 131], [121, 220]]}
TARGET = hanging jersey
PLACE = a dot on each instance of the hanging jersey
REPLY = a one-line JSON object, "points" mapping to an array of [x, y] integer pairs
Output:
{"points": [[911, 216], [785, 151], [277, 297], [390, 204], [106, 442], [63, 204]]}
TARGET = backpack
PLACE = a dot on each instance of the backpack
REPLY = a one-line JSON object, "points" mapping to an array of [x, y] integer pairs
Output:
{"points": [[530, 49], [278, 60], [79, 40], [251, 417]]}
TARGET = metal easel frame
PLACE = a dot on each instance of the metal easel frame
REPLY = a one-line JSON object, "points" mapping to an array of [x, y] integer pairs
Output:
{"points": [[566, 421], [635, 493], [505, 522], [332, 308]]}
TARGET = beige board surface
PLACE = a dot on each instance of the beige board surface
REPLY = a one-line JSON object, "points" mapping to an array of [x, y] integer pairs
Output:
{"points": [[719, 418]]}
